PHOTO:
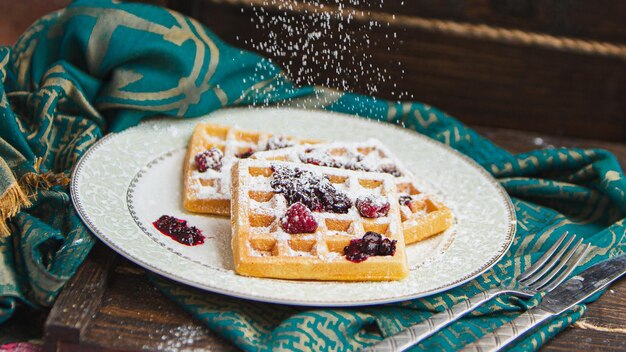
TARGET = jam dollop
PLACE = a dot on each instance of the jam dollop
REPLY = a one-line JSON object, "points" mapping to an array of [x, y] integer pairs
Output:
{"points": [[178, 230], [370, 245]]}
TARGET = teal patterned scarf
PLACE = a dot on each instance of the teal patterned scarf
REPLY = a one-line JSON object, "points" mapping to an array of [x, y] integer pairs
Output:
{"points": [[102, 66]]}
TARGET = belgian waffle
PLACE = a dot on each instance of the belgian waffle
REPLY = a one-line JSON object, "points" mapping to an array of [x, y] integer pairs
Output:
{"points": [[209, 191], [262, 248], [422, 216]]}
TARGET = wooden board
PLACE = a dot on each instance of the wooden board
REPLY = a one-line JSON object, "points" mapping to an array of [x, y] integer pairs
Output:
{"points": [[482, 79]]}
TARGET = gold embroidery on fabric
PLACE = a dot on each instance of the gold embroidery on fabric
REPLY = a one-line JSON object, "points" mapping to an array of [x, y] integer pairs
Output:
{"points": [[524, 163], [70, 89], [24, 58], [391, 111], [256, 87], [221, 95], [406, 108], [425, 122], [611, 176], [106, 23]]}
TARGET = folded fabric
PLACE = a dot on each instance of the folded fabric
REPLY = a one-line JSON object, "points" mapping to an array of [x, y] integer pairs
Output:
{"points": [[102, 66]]}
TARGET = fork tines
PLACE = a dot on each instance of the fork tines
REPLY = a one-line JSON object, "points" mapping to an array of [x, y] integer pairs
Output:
{"points": [[540, 275]]}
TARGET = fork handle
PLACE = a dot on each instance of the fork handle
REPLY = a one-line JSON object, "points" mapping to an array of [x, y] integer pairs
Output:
{"points": [[416, 333], [509, 332]]}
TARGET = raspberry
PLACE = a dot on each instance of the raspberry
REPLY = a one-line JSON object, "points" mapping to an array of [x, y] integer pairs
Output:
{"points": [[178, 230], [372, 206], [298, 219], [209, 159]]}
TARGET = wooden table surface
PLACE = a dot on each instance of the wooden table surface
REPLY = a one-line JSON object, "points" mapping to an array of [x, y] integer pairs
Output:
{"points": [[110, 305]]}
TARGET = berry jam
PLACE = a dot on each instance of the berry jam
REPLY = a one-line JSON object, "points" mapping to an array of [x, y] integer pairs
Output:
{"points": [[178, 230], [298, 219], [370, 245], [316, 193], [209, 159]]}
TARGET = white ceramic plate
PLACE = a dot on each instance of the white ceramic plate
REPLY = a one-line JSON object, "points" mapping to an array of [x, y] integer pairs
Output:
{"points": [[127, 180]]}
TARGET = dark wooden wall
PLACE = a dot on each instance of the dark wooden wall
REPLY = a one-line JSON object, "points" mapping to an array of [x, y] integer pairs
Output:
{"points": [[478, 71]]}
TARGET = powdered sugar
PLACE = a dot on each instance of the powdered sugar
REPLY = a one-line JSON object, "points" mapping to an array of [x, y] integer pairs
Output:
{"points": [[234, 144], [370, 155], [256, 178]]}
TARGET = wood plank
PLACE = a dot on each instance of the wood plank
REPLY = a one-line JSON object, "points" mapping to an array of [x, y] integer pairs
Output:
{"points": [[607, 313], [599, 20], [482, 82], [79, 299], [134, 315]]}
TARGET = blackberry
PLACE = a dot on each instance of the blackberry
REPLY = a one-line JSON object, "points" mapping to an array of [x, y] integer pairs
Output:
{"points": [[371, 244], [316, 193]]}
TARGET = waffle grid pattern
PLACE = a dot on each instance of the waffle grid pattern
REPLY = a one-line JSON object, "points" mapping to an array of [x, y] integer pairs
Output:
{"points": [[209, 192], [261, 242], [425, 217]]}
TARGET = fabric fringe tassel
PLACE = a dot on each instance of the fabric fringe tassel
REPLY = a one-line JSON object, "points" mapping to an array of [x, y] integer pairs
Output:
{"points": [[11, 202], [19, 195]]}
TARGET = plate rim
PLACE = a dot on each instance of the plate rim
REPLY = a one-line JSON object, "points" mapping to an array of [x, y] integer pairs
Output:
{"points": [[493, 260]]}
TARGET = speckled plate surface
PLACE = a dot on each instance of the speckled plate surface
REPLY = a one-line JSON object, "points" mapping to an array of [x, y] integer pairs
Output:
{"points": [[127, 180]]}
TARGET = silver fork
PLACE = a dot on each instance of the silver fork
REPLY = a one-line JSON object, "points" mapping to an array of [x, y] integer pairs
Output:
{"points": [[547, 273]]}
